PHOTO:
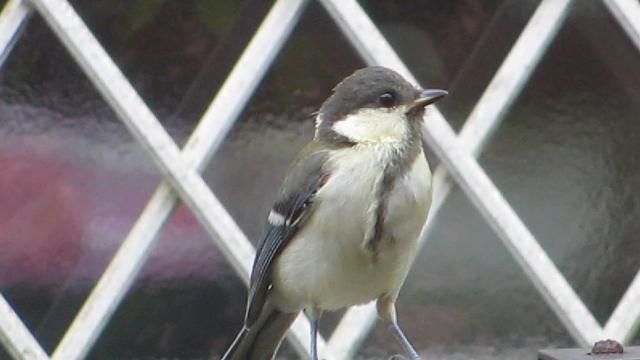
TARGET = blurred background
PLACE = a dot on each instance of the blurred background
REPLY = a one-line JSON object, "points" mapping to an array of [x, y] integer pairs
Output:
{"points": [[73, 180]]}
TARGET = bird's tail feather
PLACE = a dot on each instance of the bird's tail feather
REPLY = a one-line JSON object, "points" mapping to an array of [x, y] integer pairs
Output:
{"points": [[261, 341]]}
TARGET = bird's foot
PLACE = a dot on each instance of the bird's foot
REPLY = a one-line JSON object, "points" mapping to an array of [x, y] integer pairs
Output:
{"points": [[402, 339]]}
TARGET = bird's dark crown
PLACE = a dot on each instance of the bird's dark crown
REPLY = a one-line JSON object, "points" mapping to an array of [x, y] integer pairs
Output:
{"points": [[370, 87]]}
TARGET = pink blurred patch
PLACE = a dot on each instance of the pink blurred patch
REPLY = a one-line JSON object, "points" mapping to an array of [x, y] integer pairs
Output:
{"points": [[40, 218], [62, 220]]}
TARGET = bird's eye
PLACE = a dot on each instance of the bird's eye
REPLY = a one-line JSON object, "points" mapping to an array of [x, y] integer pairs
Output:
{"points": [[387, 99]]}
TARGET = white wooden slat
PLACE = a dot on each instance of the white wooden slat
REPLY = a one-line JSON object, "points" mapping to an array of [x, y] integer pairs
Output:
{"points": [[209, 134], [145, 127], [364, 36], [514, 73], [523, 246], [627, 13], [118, 277], [624, 322], [15, 336], [244, 78], [504, 87], [13, 17], [352, 330], [535, 262]]}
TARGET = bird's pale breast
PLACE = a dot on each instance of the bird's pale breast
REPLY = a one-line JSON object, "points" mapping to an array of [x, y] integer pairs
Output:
{"points": [[327, 265]]}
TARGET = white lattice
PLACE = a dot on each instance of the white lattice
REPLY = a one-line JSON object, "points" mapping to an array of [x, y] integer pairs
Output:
{"points": [[183, 182]]}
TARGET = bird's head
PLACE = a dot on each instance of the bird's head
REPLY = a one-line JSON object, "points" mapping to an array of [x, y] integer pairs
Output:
{"points": [[373, 105]]}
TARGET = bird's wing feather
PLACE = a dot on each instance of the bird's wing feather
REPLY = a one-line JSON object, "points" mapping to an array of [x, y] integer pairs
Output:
{"points": [[305, 177]]}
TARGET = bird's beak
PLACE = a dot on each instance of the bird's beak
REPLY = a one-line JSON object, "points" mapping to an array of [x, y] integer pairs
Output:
{"points": [[427, 97]]}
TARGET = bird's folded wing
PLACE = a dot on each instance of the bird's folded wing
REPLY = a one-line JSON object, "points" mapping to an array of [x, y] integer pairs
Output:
{"points": [[304, 179]]}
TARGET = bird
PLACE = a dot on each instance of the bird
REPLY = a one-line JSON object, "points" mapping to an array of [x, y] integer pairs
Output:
{"points": [[344, 228]]}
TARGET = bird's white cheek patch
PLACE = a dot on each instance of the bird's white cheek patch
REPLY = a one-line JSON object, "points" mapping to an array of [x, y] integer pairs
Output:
{"points": [[374, 126], [275, 218]]}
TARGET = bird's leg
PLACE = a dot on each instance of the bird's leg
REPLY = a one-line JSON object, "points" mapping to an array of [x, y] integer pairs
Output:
{"points": [[402, 339], [314, 338], [387, 312], [314, 316]]}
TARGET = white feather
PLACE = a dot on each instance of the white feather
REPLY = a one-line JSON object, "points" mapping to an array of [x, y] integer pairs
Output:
{"points": [[275, 218]]}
